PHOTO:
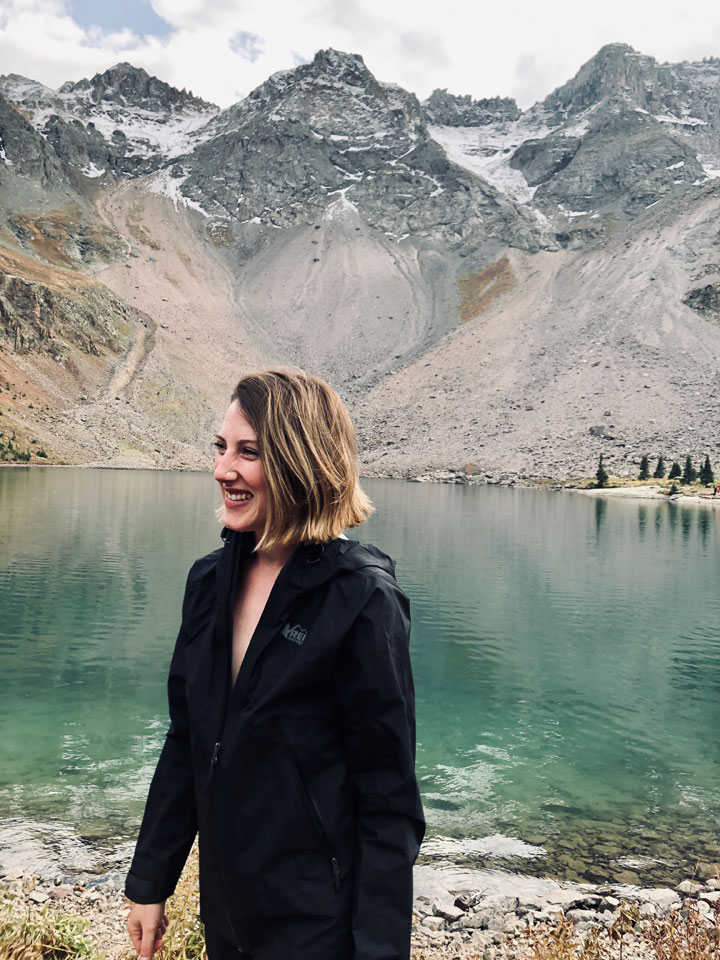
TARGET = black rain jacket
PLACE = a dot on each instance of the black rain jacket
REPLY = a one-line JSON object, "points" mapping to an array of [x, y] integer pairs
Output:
{"points": [[300, 779]]}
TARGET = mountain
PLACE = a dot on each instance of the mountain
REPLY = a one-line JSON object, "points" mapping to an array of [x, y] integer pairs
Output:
{"points": [[122, 121], [623, 134], [501, 292], [328, 140]]}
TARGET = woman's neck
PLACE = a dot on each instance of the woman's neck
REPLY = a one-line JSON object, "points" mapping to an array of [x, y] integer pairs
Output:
{"points": [[274, 557]]}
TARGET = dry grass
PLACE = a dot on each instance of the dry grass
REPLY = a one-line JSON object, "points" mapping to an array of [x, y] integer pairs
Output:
{"points": [[184, 938], [44, 935], [681, 935], [686, 938]]}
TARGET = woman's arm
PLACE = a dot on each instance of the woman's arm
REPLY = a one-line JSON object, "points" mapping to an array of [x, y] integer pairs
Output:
{"points": [[169, 823], [375, 689]]}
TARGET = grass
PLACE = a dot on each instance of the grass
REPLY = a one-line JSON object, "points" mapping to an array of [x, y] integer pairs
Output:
{"points": [[44, 936], [12, 452], [681, 935], [185, 937]]}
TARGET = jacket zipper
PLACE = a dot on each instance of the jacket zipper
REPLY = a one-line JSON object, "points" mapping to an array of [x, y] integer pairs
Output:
{"points": [[216, 754], [315, 815], [218, 859], [228, 670]]}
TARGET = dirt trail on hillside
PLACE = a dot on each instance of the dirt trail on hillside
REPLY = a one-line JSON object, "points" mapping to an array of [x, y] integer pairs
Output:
{"points": [[131, 363], [188, 349]]}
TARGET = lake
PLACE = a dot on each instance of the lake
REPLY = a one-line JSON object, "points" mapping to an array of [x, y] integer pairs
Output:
{"points": [[566, 654]]}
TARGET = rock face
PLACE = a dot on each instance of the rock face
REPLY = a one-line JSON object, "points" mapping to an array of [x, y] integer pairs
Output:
{"points": [[41, 314], [128, 87], [449, 110], [25, 153]]}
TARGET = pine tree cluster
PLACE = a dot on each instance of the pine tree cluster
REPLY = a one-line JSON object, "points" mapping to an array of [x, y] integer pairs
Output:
{"points": [[687, 474]]}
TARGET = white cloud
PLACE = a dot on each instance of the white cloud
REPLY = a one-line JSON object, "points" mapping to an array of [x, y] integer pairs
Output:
{"points": [[515, 48]]}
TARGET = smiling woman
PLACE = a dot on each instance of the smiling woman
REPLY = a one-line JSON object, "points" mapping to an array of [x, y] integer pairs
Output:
{"points": [[291, 748], [240, 474]]}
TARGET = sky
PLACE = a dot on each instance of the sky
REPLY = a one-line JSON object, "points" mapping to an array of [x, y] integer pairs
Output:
{"points": [[222, 49]]}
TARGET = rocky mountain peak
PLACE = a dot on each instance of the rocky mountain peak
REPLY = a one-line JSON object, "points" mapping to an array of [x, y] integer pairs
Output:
{"points": [[616, 71], [340, 67], [129, 86], [447, 109], [344, 72]]}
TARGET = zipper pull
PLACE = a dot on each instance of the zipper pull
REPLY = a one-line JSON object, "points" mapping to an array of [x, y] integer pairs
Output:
{"points": [[213, 762], [336, 873]]}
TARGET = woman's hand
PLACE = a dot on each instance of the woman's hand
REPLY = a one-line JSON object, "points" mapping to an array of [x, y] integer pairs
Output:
{"points": [[146, 924]]}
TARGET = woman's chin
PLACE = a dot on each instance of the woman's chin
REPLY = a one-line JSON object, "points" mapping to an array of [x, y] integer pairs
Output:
{"points": [[232, 521]]}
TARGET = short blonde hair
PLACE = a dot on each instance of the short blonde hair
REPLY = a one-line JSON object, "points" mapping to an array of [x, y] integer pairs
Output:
{"points": [[307, 448]]}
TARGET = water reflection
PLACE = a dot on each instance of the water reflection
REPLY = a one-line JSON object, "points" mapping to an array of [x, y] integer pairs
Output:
{"points": [[704, 522], [600, 512]]}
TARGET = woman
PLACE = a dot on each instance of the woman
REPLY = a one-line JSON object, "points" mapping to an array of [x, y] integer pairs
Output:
{"points": [[292, 739]]}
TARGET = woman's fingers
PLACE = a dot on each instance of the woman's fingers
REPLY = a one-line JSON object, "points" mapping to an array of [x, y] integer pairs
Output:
{"points": [[135, 931], [146, 924]]}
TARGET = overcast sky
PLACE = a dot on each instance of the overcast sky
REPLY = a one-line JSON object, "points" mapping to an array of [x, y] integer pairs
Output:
{"points": [[222, 49]]}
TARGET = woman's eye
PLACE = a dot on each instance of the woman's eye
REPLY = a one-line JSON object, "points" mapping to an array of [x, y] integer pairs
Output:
{"points": [[248, 452], [218, 447]]}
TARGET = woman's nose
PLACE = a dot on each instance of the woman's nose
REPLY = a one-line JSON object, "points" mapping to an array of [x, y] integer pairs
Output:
{"points": [[224, 471]]}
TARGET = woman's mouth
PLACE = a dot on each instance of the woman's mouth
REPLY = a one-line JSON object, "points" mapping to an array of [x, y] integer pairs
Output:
{"points": [[236, 497]]}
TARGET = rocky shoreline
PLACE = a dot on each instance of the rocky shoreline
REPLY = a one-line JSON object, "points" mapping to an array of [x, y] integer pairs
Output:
{"points": [[504, 919], [651, 491], [458, 914]]}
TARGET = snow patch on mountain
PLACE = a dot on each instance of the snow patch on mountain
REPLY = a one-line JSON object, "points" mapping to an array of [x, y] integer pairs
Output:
{"points": [[165, 185], [342, 208], [486, 152]]}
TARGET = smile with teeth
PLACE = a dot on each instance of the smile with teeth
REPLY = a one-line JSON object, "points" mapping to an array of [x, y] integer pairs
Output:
{"points": [[237, 496]]}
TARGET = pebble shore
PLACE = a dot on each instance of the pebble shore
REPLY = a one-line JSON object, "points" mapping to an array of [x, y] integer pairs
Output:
{"points": [[495, 925], [450, 921]]}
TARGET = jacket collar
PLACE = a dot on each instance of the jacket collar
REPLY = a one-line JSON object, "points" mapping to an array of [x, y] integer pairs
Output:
{"points": [[310, 565]]}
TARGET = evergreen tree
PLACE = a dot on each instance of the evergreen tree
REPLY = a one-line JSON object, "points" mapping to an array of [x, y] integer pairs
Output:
{"points": [[601, 474], [706, 474], [644, 469], [660, 468], [689, 474], [673, 490], [675, 471]]}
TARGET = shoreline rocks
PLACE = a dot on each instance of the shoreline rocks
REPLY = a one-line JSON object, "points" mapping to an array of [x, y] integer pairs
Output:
{"points": [[455, 915], [481, 923]]}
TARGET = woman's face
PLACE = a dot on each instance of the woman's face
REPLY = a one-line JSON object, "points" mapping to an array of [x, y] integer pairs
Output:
{"points": [[240, 474]]}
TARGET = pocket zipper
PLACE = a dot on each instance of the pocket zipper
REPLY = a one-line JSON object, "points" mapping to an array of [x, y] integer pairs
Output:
{"points": [[315, 816]]}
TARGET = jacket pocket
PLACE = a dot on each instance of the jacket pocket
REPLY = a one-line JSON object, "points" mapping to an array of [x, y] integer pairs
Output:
{"points": [[313, 812]]}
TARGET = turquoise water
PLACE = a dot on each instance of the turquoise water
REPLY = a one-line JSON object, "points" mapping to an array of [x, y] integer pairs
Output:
{"points": [[566, 654]]}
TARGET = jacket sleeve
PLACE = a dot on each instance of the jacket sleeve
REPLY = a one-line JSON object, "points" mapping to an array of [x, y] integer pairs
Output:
{"points": [[169, 823], [374, 686]]}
